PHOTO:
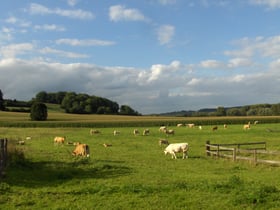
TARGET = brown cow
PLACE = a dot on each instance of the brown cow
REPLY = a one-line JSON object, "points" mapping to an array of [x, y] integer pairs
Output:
{"points": [[82, 150], [59, 139]]}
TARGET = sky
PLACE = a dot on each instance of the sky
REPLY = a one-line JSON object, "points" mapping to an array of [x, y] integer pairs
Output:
{"points": [[156, 56]]}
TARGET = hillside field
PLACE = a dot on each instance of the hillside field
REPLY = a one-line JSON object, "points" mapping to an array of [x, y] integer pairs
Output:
{"points": [[134, 173]]}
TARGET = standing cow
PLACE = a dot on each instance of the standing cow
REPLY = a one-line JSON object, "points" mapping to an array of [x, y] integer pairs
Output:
{"points": [[81, 150], [176, 148], [59, 139]]}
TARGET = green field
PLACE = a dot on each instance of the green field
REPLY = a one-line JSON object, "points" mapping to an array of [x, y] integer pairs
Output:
{"points": [[134, 173]]}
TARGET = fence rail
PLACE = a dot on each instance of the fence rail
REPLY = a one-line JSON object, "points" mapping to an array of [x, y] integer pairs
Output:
{"points": [[3, 155], [251, 153]]}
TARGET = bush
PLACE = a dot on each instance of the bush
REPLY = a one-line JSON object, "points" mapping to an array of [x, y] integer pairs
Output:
{"points": [[39, 111]]}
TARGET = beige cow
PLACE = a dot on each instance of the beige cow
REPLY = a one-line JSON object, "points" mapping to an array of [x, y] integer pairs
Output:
{"points": [[81, 150]]}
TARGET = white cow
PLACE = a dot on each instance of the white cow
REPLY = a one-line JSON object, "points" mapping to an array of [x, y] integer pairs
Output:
{"points": [[176, 148], [116, 132], [136, 132], [162, 128]]}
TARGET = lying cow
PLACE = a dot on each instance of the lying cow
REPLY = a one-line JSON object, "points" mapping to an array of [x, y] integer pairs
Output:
{"points": [[176, 148], [82, 150]]}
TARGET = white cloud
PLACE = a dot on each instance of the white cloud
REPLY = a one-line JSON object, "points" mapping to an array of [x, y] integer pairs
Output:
{"points": [[239, 62], [72, 2], [165, 34], [61, 53], [20, 22], [160, 88], [272, 4], [259, 46], [211, 64], [85, 42], [12, 50], [49, 27], [121, 13], [38, 9]]}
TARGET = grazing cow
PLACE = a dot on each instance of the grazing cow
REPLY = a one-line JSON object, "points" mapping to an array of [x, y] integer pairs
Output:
{"points": [[28, 138], [116, 132], [146, 132], [21, 142], [256, 122], [93, 131], [176, 148], [225, 126], [200, 127], [179, 125], [190, 125], [163, 141], [59, 139], [246, 126], [215, 128], [135, 132], [107, 145], [81, 150], [162, 128], [169, 132]]}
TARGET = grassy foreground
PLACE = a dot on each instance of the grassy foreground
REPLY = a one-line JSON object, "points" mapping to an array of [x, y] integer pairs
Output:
{"points": [[135, 174]]}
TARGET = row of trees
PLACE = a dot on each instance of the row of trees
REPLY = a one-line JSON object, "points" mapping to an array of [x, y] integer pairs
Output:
{"points": [[251, 110], [80, 103]]}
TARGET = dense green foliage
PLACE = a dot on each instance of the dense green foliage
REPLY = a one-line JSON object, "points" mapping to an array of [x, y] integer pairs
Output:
{"points": [[39, 111], [135, 174], [82, 103], [248, 110]]}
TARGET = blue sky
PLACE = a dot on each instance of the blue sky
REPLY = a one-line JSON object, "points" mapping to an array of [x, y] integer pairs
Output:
{"points": [[153, 55]]}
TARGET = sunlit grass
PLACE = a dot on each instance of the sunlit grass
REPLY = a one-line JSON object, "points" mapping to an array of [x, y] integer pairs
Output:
{"points": [[135, 174]]}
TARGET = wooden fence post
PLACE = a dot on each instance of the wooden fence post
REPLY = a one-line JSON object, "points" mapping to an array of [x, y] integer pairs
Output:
{"points": [[234, 154], [255, 156], [207, 148], [3, 155]]}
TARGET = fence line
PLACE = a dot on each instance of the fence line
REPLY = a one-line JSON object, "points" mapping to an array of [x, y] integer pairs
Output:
{"points": [[234, 152], [3, 155]]}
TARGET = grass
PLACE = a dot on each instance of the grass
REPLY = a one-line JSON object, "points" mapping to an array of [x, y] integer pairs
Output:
{"points": [[135, 174]]}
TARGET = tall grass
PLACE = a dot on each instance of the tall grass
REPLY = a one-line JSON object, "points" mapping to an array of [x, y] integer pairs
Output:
{"points": [[59, 119], [135, 174]]}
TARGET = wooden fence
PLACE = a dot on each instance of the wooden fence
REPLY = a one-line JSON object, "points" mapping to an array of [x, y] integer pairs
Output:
{"points": [[3, 155], [253, 152]]}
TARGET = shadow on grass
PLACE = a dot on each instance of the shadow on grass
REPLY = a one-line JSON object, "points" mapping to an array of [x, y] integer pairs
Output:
{"points": [[51, 173]]}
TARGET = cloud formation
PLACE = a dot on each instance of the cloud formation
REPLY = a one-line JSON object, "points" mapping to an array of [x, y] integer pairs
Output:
{"points": [[134, 57], [165, 34], [38, 9], [121, 13]]}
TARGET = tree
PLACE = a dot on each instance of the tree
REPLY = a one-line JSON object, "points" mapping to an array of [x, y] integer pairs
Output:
{"points": [[39, 111], [127, 110], [41, 96], [2, 107], [221, 111]]}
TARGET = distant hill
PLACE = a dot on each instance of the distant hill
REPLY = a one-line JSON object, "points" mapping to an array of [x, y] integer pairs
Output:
{"points": [[246, 110]]}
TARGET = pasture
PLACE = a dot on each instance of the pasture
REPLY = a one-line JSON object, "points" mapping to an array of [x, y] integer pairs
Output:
{"points": [[134, 173]]}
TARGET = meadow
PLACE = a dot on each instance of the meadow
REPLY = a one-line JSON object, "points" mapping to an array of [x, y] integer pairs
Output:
{"points": [[134, 173]]}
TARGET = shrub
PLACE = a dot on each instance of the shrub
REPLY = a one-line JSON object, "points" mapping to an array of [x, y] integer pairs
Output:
{"points": [[39, 111]]}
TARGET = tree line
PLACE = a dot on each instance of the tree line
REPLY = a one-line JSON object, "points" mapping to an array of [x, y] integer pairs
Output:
{"points": [[248, 110], [70, 102]]}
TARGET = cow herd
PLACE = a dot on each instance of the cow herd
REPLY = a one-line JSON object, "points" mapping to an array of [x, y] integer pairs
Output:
{"points": [[83, 149]]}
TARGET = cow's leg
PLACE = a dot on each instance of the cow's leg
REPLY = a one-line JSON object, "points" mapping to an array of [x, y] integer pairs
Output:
{"points": [[174, 155]]}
